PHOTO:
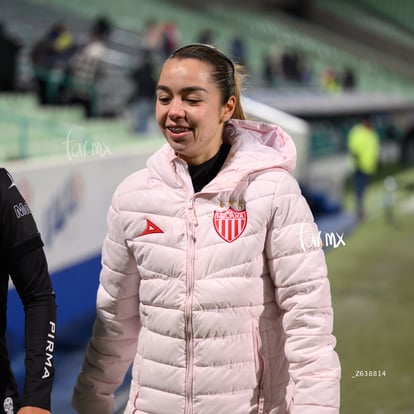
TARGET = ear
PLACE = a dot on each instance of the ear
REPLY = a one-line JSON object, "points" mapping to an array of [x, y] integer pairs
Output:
{"points": [[228, 109]]}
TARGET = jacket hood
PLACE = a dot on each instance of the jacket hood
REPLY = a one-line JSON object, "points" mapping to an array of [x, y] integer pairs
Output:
{"points": [[255, 147], [249, 138]]}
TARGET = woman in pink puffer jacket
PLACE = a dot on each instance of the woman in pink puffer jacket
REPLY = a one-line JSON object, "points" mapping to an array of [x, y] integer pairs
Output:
{"points": [[207, 284]]}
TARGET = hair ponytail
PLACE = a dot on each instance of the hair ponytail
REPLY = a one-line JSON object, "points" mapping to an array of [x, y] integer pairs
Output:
{"points": [[238, 82]]}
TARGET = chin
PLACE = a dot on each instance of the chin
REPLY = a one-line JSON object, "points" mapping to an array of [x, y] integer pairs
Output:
{"points": [[179, 149]]}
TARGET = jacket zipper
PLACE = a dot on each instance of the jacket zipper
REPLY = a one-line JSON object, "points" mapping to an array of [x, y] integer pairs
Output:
{"points": [[260, 363], [189, 338]]}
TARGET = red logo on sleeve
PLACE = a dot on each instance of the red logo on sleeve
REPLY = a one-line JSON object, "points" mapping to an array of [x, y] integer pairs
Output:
{"points": [[150, 229]]}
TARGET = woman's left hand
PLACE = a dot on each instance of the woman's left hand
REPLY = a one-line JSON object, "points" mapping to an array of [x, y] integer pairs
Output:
{"points": [[32, 410]]}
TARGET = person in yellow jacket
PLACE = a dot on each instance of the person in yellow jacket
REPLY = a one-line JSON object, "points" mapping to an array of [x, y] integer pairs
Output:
{"points": [[364, 145]]}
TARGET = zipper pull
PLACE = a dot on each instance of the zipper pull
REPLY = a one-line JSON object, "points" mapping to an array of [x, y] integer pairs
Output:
{"points": [[192, 215], [261, 402]]}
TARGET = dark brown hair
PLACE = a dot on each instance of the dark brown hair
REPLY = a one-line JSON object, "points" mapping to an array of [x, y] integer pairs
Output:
{"points": [[226, 74]]}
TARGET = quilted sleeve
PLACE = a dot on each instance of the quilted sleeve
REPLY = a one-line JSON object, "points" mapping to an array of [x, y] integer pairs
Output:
{"points": [[302, 291], [112, 346]]}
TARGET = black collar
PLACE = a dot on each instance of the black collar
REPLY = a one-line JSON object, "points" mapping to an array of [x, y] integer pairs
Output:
{"points": [[202, 174]]}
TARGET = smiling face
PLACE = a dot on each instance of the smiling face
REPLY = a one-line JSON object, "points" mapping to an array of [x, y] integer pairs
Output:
{"points": [[189, 109]]}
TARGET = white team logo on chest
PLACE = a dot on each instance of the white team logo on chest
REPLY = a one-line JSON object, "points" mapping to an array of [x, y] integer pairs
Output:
{"points": [[8, 406], [230, 224]]}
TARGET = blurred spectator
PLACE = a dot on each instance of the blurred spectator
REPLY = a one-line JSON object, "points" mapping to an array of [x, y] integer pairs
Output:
{"points": [[238, 50], [171, 38], [51, 52], [86, 68], [290, 66], [9, 48], [293, 66], [348, 80], [151, 40], [206, 37], [364, 146], [142, 98], [306, 70], [330, 81], [271, 67], [407, 146]]}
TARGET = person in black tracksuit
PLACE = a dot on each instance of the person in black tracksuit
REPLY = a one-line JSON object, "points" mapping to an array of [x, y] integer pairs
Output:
{"points": [[23, 259]]}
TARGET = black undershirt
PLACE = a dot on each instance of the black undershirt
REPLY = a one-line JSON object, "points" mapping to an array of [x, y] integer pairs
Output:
{"points": [[202, 174]]}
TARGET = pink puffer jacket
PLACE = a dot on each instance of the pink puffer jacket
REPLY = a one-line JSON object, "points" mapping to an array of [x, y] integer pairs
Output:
{"points": [[214, 295]]}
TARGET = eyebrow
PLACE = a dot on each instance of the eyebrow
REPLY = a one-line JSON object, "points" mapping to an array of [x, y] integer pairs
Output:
{"points": [[188, 89]]}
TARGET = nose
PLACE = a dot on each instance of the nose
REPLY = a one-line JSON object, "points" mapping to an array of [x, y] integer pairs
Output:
{"points": [[176, 109]]}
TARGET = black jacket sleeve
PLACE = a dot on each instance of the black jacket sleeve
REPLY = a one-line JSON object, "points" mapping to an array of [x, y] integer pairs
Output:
{"points": [[26, 264]]}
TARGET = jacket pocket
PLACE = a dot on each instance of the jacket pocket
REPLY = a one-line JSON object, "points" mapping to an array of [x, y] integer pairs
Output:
{"points": [[259, 364]]}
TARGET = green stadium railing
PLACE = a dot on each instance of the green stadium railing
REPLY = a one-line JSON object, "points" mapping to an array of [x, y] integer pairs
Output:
{"points": [[23, 136]]}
